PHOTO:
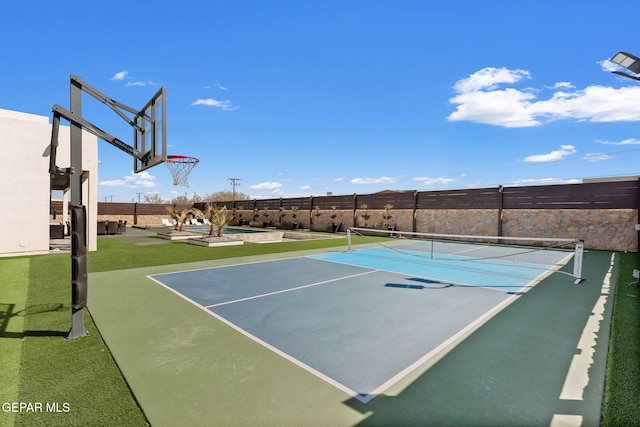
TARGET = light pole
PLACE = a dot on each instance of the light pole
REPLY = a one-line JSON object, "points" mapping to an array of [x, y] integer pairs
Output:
{"points": [[631, 63], [628, 61]]}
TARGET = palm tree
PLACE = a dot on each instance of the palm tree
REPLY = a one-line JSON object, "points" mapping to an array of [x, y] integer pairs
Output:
{"points": [[180, 216], [219, 219], [208, 213]]}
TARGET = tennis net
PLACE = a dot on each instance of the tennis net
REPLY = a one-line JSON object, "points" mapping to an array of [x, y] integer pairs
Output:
{"points": [[547, 253]]}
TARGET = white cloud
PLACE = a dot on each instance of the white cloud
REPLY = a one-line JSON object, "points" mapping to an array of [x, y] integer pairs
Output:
{"points": [[136, 180], [595, 104], [609, 66], [553, 156], [266, 186], [629, 141], [120, 76], [489, 78], [546, 181], [137, 83], [305, 187], [425, 180], [596, 157], [508, 108], [210, 102], [217, 85], [480, 99], [368, 180], [562, 85], [124, 76]]}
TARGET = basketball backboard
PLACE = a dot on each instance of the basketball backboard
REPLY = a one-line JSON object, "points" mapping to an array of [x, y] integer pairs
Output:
{"points": [[150, 133]]}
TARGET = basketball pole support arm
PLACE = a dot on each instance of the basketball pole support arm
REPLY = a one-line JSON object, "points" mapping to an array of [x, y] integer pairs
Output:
{"points": [[79, 271]]}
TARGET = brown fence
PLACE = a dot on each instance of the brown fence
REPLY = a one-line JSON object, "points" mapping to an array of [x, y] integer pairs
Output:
{"points": [[602, 213], [604, 195]]}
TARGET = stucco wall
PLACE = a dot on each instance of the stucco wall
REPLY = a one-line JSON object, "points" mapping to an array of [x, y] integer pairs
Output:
{"points": [[25, 139]]}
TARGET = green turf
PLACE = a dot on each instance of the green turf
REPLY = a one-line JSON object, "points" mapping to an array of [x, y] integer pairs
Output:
{"points": [[13, 300], [35, 312], [114, 254], [620, 406], [77, 379]]}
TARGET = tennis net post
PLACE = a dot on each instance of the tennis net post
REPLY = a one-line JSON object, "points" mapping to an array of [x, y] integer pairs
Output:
{"points": [[577, 262]]}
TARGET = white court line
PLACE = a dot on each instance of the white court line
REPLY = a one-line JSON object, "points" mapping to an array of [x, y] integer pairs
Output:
{"points": [[290, 289], [577, 378], [531, 282], [274, 349], [443, 349], [562, 420], [448, 282], [263, 261], [424, 362], [428, 359]]}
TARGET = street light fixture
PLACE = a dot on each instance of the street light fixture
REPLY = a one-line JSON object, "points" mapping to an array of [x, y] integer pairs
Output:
{"points": [[628, 61]]}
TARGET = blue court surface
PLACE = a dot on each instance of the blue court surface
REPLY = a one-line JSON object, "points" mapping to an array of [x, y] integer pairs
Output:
{"points": [[360, 320]]}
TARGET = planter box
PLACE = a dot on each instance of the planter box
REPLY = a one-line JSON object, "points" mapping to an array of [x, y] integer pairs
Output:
{"points": [[210, 242], [179, 235]]}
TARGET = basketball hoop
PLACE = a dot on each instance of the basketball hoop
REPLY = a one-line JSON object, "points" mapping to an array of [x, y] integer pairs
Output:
{"points": [[180, 167]]}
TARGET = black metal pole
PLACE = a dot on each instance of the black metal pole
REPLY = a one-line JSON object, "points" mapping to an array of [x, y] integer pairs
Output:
{"points": [[79, 281]]}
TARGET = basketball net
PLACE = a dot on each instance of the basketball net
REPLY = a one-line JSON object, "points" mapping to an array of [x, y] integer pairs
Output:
{"points": [[180, 167]]}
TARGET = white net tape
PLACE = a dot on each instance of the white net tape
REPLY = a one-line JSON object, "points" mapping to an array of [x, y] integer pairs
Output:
{"points": [[180, 167]]}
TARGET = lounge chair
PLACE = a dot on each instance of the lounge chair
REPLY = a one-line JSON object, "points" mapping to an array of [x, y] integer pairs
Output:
{"points": [[56, 231], [102, 228], [112, 227]]}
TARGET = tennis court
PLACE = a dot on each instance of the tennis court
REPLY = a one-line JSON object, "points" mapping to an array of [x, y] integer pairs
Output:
{"points": [[335, 337]]}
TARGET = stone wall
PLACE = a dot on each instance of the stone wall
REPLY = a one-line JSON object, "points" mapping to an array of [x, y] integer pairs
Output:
{"points": [[480, 222], [607, 229], [342, 216]]}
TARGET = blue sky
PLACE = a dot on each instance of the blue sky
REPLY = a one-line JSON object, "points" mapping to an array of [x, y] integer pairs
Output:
{"points": [[302, 98]]}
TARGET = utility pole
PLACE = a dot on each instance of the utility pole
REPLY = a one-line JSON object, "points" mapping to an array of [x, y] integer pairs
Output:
{"points": [[234, 184]]}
